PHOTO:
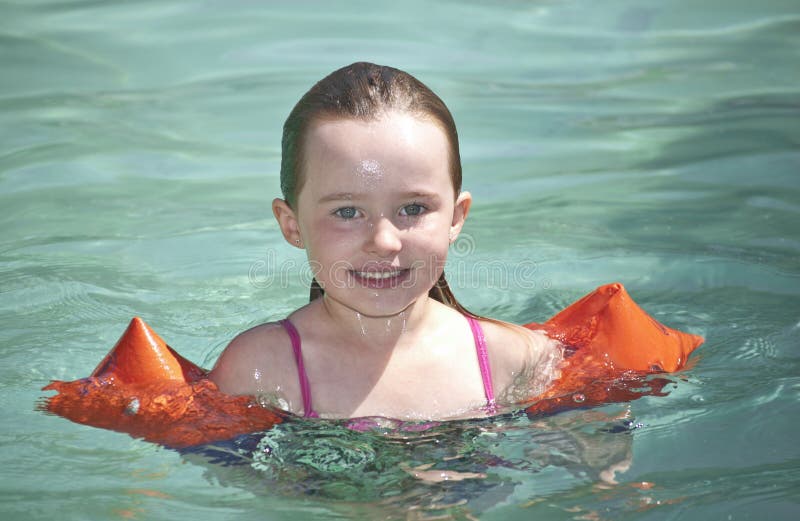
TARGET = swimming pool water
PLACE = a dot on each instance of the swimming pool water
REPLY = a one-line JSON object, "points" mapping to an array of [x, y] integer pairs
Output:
{"points": [[655, 143]]}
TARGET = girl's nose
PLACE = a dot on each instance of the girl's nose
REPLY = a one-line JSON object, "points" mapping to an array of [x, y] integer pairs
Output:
{"points": [[384, 237]]}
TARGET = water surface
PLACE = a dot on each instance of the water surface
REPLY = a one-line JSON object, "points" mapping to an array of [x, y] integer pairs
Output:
{"points": [[653, 143]]}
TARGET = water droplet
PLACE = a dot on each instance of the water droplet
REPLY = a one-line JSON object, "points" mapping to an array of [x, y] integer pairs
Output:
{"points": [[132, 407], [361, 324]]}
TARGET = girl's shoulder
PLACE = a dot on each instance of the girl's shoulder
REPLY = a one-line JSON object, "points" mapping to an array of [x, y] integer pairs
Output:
{"points": [[514, 350], [508, 338], [252, 358], [253, 341]]}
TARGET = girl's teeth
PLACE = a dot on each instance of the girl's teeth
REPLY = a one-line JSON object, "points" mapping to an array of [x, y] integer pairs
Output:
{"points": [[377, 275]]}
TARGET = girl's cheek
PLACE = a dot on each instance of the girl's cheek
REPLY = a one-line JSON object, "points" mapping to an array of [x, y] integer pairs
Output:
{"points": [[436, 229]]}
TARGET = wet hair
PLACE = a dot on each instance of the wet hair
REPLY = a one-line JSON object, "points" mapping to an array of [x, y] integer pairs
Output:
{"points": [[365, 91]]}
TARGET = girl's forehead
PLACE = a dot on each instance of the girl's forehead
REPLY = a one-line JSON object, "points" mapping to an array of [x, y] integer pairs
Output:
{"points": [[397, 149], [396, 126]]}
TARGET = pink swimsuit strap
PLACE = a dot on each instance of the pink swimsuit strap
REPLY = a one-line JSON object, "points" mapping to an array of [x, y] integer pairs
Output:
{"points": [[483, 362], [480, 348], [305, 388]]}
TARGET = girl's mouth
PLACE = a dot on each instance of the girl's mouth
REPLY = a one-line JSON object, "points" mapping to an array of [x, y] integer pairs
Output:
{"points": [[381, 279]]}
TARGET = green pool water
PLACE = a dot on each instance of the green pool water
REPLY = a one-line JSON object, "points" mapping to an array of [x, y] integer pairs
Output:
{"points": [[654, 143]]}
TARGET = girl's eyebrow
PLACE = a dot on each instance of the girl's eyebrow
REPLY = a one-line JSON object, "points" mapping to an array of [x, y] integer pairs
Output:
{"points": [[420, 195], [338, 196], [349, 196]]}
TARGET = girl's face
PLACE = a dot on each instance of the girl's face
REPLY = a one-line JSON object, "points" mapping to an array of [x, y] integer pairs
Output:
{"points": [[377, 210]]}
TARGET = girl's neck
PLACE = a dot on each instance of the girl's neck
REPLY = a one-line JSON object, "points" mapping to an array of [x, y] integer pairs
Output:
{"points": [[377, 333]]}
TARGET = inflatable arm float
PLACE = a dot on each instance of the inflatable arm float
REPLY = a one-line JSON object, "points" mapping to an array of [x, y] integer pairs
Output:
{"points": [[146, 389]]}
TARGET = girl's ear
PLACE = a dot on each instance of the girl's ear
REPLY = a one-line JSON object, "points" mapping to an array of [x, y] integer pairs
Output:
{"points": [[463, 202], [287, 220]]}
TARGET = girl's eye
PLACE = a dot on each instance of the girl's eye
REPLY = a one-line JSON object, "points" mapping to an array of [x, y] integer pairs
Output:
{"points": [[412, 210], [346, 213]]}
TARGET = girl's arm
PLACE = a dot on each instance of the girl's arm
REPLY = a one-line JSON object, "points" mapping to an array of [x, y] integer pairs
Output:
{"points": [[524, 362]]}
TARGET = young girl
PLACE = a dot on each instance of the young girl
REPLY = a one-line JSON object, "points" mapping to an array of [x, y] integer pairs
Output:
{"points": [[371, 179]]}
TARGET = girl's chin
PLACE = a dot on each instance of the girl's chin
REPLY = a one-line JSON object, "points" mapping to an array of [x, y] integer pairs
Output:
{"points": [[376, 303], [369, 308]]}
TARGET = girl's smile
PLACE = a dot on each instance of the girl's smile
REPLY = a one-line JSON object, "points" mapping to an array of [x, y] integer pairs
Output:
{"points": [[392, 278]]}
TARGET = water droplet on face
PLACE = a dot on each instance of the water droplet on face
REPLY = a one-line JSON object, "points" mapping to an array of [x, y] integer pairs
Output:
{"points": [[369, 174], [369, 166], [361, 324]]}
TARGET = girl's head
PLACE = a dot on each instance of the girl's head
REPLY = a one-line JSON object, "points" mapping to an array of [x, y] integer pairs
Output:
{"points": [[362, 91], [369, 107]]}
